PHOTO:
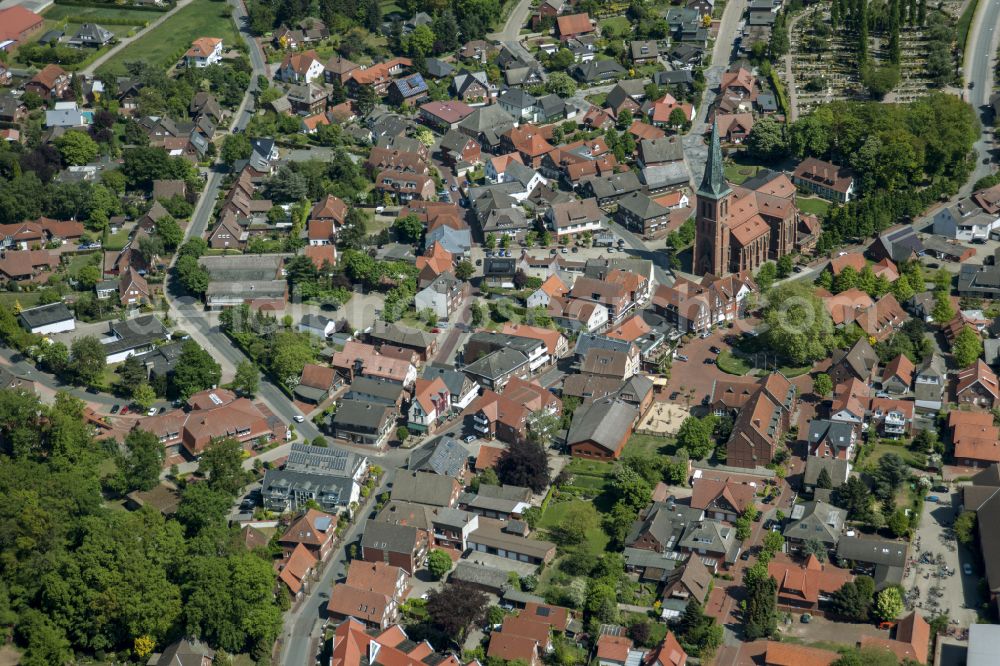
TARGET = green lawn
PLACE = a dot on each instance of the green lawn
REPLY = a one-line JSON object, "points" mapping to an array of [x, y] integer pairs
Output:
{"points": [[81, 260], [117, 241], [912, 458], [731, 364], [737, 173], [166, 44], [964, 22], [27, 299], [816, 206], [597, 539], [619, 25], [60, 12], [651, 445]]}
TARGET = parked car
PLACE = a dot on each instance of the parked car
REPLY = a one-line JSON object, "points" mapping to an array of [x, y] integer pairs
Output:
{"points": [[563, 250], [680, 357], [940, 489], [705, 334], [709, 361], [715, 350], [470, 438], [797, 269], [933, 498], [114, 410], [124, 410], [479, 262], [162, 410], [298, 418], [745, 555], [379, 209], [151, 411]]}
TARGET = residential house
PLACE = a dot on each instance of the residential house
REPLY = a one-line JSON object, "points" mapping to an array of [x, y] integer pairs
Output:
{"points": [[668, 653], [473, 87], [897, 377], [883, 560], [407, 91], [431, 404], [761, 424], [975, 438], [912, 641], [859, 362], [597, 71], [722, 498], [459, 148], [977, 386], [825, 179], [419, 342], [805, 587], [302, 67], [503, 539], [91, 35], [405, 187], [461, 389], [50, 83], [316, 530], [363, 422], [402, 546], [445, 296], [892, 417], [814, 521], [447, 457], [133, 290], [426, 488], [837, 469], [507, 415], [711, 541], [444, 116], [831, 439], [204, 51], [552, 287], [574, 25], [327, 476], [316, 383]]}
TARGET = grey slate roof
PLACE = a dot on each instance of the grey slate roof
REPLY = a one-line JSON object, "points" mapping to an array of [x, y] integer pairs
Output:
{"points": [[602, 421], [388, 536], [44, 315], [819, 521], [453, 379], [837, 433], [374, 390], [447, 458], [508, 492], [496, 364], [517, 98], [398, 334], [355, 413], [477, 574], [641, 206], [423, 488], [836, 468]]}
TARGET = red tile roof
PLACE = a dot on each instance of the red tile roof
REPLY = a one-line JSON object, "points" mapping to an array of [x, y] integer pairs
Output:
{"points": [[574, 24], [790, 654]]}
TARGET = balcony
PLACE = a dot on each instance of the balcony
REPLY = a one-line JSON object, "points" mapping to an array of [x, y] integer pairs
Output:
{"points": [[478, 418], [483, 429]]}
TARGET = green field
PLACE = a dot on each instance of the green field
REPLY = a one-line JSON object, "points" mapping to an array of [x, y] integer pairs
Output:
{"points": [[812, 205], [166, 44], [648, 445], [97, 14], [731, 364], [27, 299]]}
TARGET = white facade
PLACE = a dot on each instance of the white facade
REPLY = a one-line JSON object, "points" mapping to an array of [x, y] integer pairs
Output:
{"points": [[56, 327]]}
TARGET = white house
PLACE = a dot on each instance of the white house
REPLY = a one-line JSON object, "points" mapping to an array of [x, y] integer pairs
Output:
{"points": [[965, 221], [48, 319], [317, 325], [204, 51], [66, 114]]}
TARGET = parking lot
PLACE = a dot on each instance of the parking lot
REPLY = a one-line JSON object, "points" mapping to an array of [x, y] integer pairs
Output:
{"points": [[692, 379], [953, 595]]}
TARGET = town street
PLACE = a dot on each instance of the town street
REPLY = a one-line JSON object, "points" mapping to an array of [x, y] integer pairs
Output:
{"points": [[978, 73]]}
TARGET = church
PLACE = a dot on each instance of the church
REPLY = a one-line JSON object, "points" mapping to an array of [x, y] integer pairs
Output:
{"points": [[739, 228]]}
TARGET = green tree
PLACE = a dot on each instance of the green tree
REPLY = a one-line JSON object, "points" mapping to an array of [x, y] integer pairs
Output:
{"points": [[89, 276], [464, 270], [560, 83], [141, 462], [695, 436], [408, 229], [455, 607], [143, 396], [965, 527], [798, 324], [899, 523], [77, 148], [88, 359], [785, 265], [195, 370], [814, 547], [853, 601], [822, 385], [766, 276], [524, 464], [773, 542], [222, 464], [247, 379], [761, 618], [169, 232], [968, 347], [438, 564], [942, 312], [823, 480], [889, 604], [235, 147], [767, 141]]}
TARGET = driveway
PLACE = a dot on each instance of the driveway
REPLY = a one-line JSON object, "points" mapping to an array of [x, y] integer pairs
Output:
{"points": [[956, 595]]}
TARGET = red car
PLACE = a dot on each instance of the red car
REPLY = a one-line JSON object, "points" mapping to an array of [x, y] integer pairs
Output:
{"points": [[435, 330], [124, 410]]}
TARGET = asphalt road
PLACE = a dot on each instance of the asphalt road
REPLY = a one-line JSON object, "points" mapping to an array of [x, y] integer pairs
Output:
{"points": [[515, 21], [978, 71]]}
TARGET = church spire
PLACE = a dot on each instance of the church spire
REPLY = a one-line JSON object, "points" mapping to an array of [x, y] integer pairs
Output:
{"points": [[713, 183]]}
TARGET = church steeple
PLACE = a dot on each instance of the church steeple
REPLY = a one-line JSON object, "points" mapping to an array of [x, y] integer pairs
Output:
{"points": [[713, 183]]}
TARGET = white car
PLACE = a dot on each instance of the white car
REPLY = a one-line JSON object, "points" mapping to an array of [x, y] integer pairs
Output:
{"points": [[379, 209], [151, 411], [298, 418]]}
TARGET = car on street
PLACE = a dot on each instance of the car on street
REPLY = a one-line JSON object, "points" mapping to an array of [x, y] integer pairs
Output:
{"points": [[575, 249], [967, 569], [114, 410], [298, 418], [796, 269], [715, 350], [93, 391], [674, 395], [745, 555], [479, 262], [563, 250]]}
